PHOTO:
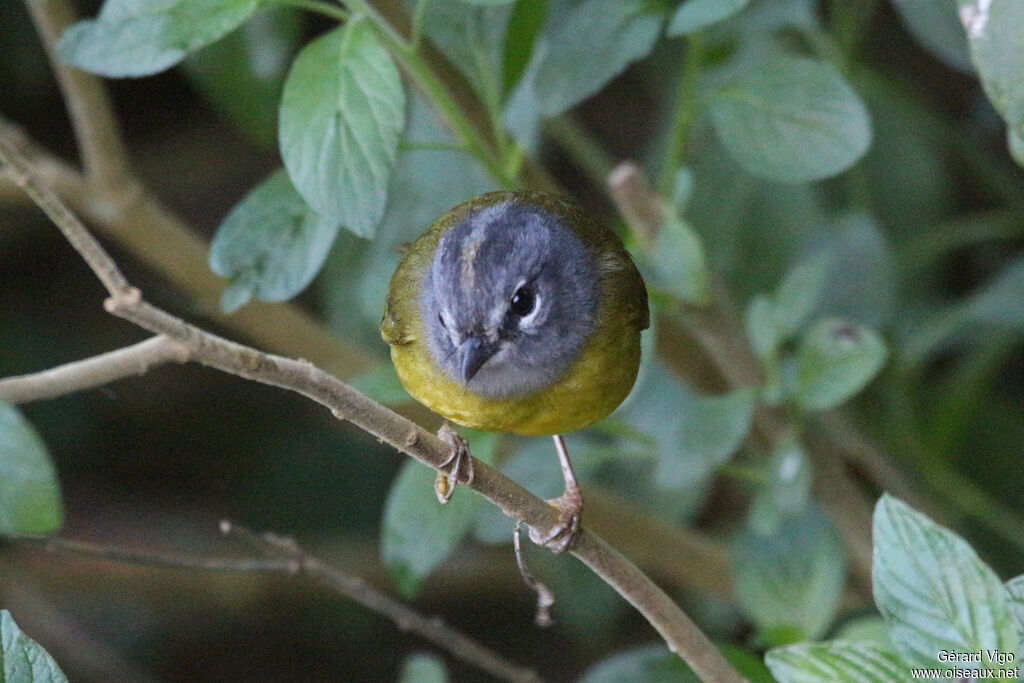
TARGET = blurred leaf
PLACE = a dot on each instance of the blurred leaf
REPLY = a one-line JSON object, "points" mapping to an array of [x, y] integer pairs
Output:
{"points": [[342, 114], [1015, 143], [144, 37], [798, 294], [418, 533], [23, 660], [382, 385], [242, 75], [792, 119], [29, 492], [486, 3], [836, 359], [271, 245], [473, 39], [838, 661], [936, 26], [933, 589], [1001, 301], [677, 261], [423, 668], [860, 282], [761, 327], [694, 15], [649, 663], [786, 489], [790, 582], [995, 33], [524, 27], [710, 430], [598, 39]]}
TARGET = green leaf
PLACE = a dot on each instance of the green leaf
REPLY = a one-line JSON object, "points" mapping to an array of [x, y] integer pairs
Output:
{"points": [[472, 38], [23, 660], [790, 582], [1015, 143], [271, 245], [798, 294], [786, 489], [838, 661], [678, 266], [29, 492], [418, 533], [423, 668], [937, 28], [144, 37], [836, 359], [791, 119], [649, 663], [598, 39], [995, 34], [342, 114], [934, 591], [486, 3], [711, 429], [694, 15], [243, 74], [524, 27]]}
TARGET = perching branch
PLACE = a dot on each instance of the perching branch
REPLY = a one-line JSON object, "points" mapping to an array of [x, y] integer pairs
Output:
{"points": [[679, 632], [284, 556], [130, 361]]}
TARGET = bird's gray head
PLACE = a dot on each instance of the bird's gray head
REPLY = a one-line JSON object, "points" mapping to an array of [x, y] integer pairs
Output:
{"points": [[510, 299]]}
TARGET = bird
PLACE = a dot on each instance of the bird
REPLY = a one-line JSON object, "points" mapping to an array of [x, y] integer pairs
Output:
{"points": [[517, 312]]}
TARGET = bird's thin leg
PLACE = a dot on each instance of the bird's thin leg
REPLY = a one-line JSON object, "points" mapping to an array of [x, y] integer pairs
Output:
{"points": [[561, 537], [459, 464]]}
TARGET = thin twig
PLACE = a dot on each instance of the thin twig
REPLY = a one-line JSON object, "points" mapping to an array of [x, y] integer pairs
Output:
{"points": [[89, 373], [283, 556], [92, 115], [433, 629], [679, 632]]}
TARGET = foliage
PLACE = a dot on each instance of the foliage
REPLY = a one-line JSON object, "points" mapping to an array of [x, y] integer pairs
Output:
{"points": [[867, 231]]}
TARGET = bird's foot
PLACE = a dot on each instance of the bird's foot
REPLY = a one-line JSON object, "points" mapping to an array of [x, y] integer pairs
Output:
{"points": [[566, 531], [458, 466]]}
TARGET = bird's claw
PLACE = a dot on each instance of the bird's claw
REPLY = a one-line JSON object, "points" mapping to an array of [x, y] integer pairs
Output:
{"points": [[566, 531], [458, 467]]}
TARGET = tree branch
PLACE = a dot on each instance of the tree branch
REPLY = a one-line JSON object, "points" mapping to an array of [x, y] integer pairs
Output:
{"points": [[130, 361], [679, 632], [92, 114]]}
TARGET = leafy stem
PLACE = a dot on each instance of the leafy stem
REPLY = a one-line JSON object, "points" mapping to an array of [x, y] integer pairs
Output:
{"points": [[685, 113], [434, 90]]}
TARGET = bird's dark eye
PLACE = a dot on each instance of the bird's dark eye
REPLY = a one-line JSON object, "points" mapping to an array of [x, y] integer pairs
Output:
{"points": [[523, 302], [440, 319]]}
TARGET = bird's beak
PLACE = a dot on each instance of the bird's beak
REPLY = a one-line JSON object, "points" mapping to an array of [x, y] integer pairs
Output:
{"points": [[473, 353]]}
